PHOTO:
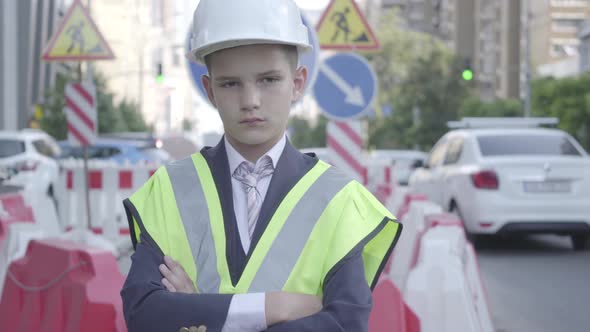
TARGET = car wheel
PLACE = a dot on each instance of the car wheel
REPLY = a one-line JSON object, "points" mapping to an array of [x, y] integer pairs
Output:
{"points": [[580, 242], [471, 237]]}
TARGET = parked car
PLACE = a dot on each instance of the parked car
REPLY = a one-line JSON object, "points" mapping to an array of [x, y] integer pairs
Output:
{"points": [[28, 159], [511, 181], [117, 150], [405, 162]]}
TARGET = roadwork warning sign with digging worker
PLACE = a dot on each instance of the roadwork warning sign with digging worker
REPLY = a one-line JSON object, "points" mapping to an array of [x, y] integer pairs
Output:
{"points": [[343, 27]]}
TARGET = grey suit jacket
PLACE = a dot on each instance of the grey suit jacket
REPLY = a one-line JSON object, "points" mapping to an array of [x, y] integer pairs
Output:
{"points": [[148, 306]]}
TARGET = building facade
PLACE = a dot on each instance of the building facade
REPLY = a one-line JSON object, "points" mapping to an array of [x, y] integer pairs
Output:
{"points": [[148, 39], [484, 34], [554, 29], [27, 26]]}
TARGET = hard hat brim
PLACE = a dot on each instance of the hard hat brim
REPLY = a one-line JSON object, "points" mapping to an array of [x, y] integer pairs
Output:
{"points": [[199, 55]]}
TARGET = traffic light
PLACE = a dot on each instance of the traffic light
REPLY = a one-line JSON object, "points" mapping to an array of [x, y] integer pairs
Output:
{"points": [[467, 70], [159, 73], [467, 74]]}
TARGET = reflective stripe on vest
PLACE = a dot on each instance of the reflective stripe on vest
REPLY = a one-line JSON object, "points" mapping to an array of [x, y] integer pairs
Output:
{"points": [[286, 249], [191, 203]]}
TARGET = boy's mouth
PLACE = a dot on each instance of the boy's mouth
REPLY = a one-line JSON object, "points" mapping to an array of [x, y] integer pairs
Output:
{"points": [[252, 120]]}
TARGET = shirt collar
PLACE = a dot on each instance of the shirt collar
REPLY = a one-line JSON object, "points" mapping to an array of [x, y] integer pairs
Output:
{"points": [[235, 159]]}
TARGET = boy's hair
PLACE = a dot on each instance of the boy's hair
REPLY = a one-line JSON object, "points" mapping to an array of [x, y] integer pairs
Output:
{"points": [[290, 52]]}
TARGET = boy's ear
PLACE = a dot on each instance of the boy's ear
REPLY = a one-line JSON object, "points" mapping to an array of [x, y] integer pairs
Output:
{"points": [[206, 80], [299, 81]]}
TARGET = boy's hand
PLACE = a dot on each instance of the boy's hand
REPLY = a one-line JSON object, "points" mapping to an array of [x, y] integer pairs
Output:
{"points": [[279, 306], [175, 278]]}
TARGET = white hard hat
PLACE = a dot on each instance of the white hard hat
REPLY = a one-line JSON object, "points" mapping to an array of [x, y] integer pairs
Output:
{"points": [[221, 24]]}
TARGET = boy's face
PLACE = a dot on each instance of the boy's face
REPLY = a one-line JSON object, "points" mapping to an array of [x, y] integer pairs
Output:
{"points": [[253, 87]]}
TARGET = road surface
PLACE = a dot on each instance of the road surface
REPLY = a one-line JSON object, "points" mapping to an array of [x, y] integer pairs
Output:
{"points": [[536, 284]]}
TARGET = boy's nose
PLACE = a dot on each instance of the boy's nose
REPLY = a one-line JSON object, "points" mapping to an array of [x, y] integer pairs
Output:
{"points": [[250, 98]]}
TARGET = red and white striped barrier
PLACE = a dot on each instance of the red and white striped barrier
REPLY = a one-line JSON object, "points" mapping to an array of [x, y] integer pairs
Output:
{"points": [[408, 244], [436, 269], [13, 208], [15, 213], [409, 198], [63, 286], [380, 180], [109, 184], [346, 148], [81, 113], [442, 289], [390, 312], [18, 236]]}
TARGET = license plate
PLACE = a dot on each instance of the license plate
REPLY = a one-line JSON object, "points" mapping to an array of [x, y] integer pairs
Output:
{"points": [[548, 187]]}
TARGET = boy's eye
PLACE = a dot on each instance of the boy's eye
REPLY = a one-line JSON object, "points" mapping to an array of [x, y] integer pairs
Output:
{"points": [[229, 84], [269, 80]]}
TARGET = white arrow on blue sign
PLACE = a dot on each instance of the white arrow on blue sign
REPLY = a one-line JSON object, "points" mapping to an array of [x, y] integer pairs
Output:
{"points": [[310, 60], [346, 86]]}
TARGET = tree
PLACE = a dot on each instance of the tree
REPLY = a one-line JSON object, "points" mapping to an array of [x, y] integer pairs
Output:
{"points": [[132, 117], [187, 125], [111, 117], [421, 78], [54, 119], [567, 99], [474, 107], [303, 134]]}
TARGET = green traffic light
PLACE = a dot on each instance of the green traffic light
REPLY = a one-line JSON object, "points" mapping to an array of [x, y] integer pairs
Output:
{"points": [[467, 75], [160, 79]]}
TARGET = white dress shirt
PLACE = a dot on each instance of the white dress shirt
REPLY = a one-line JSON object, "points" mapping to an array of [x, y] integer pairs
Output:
{"points": [[247, 311]]}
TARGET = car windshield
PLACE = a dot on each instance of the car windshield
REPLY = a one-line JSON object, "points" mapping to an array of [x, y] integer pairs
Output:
{"points": [[509, 145], [10, 147]]}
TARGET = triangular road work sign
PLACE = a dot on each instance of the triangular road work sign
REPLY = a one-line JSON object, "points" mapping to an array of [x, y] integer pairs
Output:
{"points": [[343, 27], [77, 39]]}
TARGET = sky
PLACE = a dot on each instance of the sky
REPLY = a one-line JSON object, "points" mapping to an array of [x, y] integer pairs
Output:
{"points": [[312, 4]]}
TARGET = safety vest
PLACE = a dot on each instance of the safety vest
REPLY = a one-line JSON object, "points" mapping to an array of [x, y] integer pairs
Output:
{"points": [[322, 219]]}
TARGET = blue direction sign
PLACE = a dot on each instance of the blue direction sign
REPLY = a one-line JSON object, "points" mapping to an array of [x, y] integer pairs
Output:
{"points": [[311, 60], [345, 87]]}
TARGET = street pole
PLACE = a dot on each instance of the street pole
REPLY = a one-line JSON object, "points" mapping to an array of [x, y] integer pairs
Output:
{"points": [[527, 60], [9, 83], [89, 77], [86, 173]]}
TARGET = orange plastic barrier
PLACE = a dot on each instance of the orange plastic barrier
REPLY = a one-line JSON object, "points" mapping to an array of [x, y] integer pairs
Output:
{"points": [[63, 286], [390, 313]]}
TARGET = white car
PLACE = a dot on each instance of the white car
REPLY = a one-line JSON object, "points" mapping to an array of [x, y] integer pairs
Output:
{"points": [[510, 181], [29, 155]]}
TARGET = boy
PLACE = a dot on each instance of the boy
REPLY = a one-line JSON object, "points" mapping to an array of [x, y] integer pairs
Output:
{"points": [[253, 235]]}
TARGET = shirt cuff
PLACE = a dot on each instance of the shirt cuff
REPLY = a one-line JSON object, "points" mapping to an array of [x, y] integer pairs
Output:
{"points": [[246, 313]]}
